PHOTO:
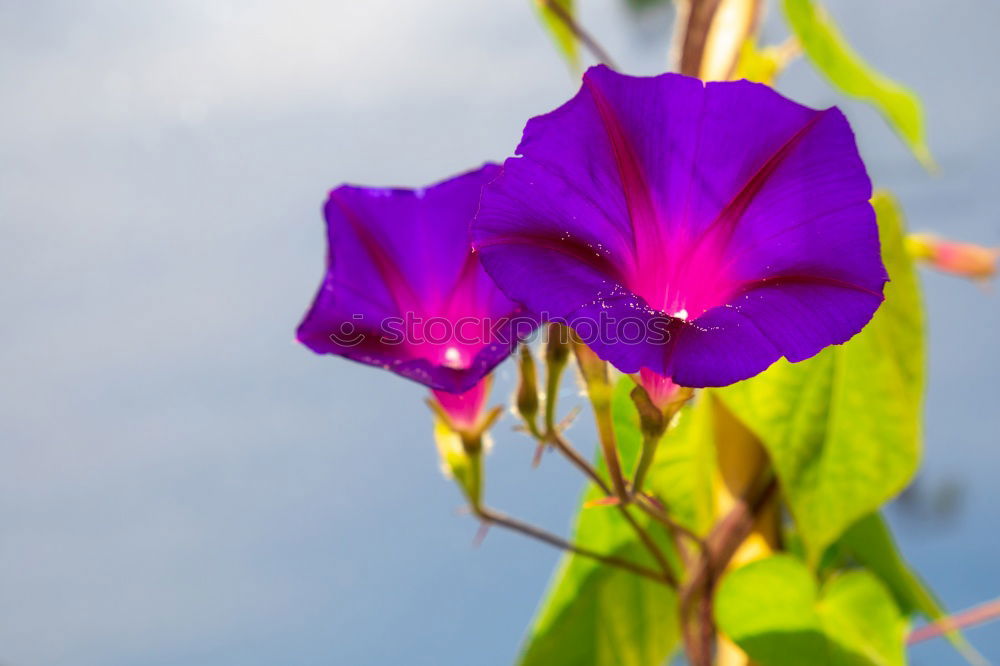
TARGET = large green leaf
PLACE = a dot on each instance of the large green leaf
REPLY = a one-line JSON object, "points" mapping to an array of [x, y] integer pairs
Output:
{"points": [[563, 37], [843, 428], [826, 47], [594, 615], [777, 613]]}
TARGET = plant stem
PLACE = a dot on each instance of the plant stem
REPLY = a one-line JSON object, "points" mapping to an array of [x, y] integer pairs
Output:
{"points": [[557, 350], [599, 390], [595, 376], [493, 517], [721, 544], [609, 448], [584, 466], [697, 634], [695, 35], [650, 507], [648, 452], [582, 35], [581, 463], [982, 613]]}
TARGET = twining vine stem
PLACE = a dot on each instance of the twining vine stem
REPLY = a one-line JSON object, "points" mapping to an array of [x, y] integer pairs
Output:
{"points": [[695, 35], [721, 545]]}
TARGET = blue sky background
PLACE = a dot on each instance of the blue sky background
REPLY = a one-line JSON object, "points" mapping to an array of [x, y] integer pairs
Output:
{"points": [[181, 484]]}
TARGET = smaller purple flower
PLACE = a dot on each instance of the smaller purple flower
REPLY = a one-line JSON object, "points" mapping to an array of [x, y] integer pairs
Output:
{"points": [[726, 224], [403, 290]]}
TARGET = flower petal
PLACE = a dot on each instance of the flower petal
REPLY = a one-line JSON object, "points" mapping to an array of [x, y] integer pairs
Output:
{"points": [[399, 256], [729, 216]]}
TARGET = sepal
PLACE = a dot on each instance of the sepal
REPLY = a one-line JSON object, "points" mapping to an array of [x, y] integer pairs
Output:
{"points": [[461, 450]]}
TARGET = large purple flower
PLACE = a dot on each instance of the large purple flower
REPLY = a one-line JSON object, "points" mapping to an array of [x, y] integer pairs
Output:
{"points": [[729, 224], [404, 291]]}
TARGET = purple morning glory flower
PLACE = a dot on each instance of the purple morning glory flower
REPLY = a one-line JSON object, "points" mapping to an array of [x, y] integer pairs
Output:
{"points": [[404, 291], [696, 231]]}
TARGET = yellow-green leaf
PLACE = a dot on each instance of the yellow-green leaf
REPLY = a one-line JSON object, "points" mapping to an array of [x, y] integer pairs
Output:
{"points": [[763, 65], [599, 616], [775, 610], [829, 51]]}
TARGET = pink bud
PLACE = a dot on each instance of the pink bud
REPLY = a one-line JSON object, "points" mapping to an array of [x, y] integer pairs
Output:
{"points": [[465, 409], [964, 259], [662, 390]]}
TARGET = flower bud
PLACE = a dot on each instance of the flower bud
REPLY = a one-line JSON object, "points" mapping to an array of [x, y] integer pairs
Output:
{"points": [[461, 425], [526, 398], [463, 411], [558, 344], [459, 460], [652, 423], [462, 446], [657, 400], [963, 259]]}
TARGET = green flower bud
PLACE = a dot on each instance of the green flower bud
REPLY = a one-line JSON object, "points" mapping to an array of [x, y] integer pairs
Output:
{"points": [[526, 398]]}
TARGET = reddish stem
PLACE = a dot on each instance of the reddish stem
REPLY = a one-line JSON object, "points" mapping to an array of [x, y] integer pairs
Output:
{"points": [[983, 613]]}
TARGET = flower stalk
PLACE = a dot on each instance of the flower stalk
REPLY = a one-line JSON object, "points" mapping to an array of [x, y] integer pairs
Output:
{"points": [[557, 353], [599, 390], [654, 421], [462, 450], [492, 517]]}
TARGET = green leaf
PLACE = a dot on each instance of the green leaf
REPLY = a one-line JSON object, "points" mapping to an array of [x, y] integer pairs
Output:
{"points": [[860, 617], [826, 47], [768, 608], [763, 65], [642, 5], [599, 616], [776, 612], [563, 37], [869, 542], [843, 428], [757, 64]]}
